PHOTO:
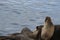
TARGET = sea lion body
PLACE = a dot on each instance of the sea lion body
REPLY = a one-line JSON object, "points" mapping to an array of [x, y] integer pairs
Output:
{"points": [[48, 29], [35, 32]]}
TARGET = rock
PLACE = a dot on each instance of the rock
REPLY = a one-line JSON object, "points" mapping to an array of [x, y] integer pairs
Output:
{"points": [[6, 38]]}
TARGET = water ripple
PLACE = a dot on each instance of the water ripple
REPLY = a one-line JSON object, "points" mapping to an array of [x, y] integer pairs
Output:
{"points": [[14, 23]]}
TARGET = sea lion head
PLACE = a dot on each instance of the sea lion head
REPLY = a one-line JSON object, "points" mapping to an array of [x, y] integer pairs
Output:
{"points": [[47, 19]]}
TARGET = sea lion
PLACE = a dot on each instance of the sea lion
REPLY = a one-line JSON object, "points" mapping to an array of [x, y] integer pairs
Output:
{"points": [[48, 29], [38, 33], [35, 32], [56, 35]]}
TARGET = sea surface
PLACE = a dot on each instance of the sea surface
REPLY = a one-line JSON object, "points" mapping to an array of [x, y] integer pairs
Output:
{"points": [[17, 14]]}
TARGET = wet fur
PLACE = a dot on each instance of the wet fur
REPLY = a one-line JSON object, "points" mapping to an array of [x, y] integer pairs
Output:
{"points": [[47, 30], [56, 35]]}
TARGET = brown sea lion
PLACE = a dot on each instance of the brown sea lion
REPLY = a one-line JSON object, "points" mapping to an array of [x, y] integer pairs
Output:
{"points": [[56, 35], [38, 33], [35, 32], [48, 29]]}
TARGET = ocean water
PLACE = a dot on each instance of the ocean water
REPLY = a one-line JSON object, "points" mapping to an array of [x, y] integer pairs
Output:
{"points": [[17, 14]]}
